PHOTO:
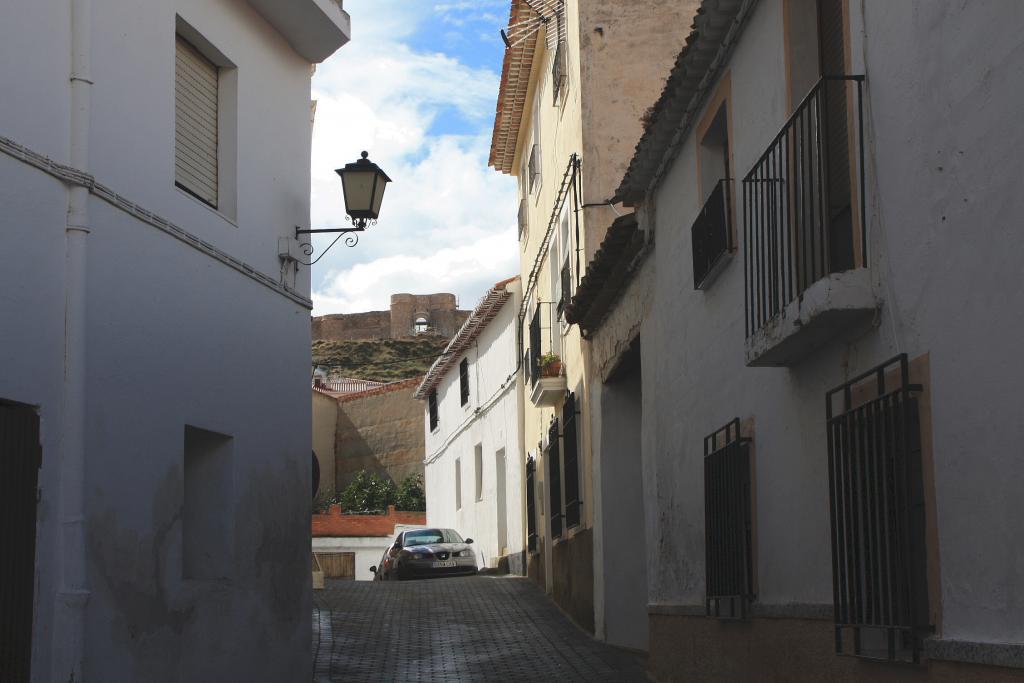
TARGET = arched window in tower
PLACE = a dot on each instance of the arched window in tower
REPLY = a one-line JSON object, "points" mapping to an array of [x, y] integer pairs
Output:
{"points": [[422, 325]]}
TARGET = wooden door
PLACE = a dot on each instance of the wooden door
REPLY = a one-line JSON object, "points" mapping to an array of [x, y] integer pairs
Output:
{"points": [[338, 565]]}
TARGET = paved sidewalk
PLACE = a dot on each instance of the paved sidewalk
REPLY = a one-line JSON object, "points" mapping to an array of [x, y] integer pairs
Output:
{"points": [[459, 629]]}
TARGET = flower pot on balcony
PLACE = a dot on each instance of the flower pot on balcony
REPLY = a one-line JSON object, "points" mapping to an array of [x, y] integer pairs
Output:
{"points": [[552, 369]]}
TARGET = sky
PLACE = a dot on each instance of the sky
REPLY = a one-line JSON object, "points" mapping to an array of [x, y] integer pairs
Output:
{"points": [[417, 88]]}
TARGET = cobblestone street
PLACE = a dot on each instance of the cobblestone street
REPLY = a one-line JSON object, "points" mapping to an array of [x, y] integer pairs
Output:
{"points": [[460, 629]]}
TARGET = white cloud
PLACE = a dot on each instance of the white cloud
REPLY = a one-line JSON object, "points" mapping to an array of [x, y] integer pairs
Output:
{"points": [[447, 223]]}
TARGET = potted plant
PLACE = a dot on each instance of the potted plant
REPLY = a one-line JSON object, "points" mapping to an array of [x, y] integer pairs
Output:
{"points": [[550, 365]]}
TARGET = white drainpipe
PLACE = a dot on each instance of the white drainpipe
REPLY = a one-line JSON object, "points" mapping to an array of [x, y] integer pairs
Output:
{"points": [[68, 646]]}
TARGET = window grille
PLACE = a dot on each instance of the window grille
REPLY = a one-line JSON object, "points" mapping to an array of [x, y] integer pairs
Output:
{"points": [[464, 381], [523, 219], [531, 505], [559, 71], [555, 481], [728, 544], [712, 236], [535, 346], [565, 295], [572, 463], [432, 406], [534, 167], [876, 495], [195, 123]]}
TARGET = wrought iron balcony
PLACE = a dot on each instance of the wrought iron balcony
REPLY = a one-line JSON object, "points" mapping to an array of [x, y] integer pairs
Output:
{"points": [[803, 209], [712, 236]]}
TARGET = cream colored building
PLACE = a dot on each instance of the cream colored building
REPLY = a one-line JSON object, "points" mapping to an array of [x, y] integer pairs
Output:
{"points": [[575, 81]]}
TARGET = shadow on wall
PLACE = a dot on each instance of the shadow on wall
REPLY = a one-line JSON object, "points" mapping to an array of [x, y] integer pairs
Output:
{"points": [[382, 434]]}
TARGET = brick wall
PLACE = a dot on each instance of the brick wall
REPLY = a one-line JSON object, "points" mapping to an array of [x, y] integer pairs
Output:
{"points": [[335, 524]]}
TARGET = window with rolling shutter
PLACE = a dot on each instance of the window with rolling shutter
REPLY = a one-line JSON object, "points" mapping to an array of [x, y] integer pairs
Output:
{"points": [[195, 123]]}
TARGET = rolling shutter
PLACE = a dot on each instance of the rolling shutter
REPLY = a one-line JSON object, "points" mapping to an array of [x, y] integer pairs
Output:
{"points": [[195, 123]]}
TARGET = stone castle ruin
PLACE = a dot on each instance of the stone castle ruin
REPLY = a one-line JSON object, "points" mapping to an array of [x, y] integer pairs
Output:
{"points": [[410, 315]]}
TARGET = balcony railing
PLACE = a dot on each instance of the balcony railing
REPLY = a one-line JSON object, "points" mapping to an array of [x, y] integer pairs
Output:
{"points": [[712, 236], [803, 214]]}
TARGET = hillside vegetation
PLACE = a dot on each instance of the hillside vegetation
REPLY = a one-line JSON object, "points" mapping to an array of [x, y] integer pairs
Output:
{"points": [[381, 360]]}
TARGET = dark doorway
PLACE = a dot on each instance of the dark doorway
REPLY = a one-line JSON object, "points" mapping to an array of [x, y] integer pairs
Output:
{"points": [[19, 476]]}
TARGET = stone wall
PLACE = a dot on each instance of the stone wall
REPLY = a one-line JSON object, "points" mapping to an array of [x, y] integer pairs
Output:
{"points": [[380, 431], [353, 326], [439, 310]]}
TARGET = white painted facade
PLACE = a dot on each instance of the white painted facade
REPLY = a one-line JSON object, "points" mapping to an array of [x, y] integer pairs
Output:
{"points": [[130, 312], [482, 439], [942, 102]]}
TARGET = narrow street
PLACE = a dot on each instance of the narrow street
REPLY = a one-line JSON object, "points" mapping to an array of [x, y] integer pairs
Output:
{"points": [[461, 629]]}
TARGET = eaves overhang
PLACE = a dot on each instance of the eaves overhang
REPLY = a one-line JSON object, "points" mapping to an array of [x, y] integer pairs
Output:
{"points": [[515, 85], [314, 28], [483, 314], [715, 30]]}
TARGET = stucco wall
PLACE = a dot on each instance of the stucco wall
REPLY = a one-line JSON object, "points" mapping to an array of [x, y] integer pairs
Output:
{"points": [[169, 330], [941, 132], [325, 429], [381, 432], [490, 420]]}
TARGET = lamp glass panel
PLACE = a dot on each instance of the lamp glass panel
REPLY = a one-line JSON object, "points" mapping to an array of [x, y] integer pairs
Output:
{"points": [[358, 188], [378, 194]]}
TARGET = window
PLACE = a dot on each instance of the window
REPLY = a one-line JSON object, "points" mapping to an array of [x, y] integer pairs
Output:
{"points": [[535, 346], [728, 546], [478, 467], [555, 481], [560, 70], [432, 408], [877, 511], [531, 505], [712, 235], [458, 483], [464, 381], [421, 326], [570, 443], [534, 168], [196, 117], [561, 266], [206, 520], [524, 220]]}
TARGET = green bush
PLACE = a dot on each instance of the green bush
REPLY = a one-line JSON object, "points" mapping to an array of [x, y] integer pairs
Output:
{"points": [[411, 496]]}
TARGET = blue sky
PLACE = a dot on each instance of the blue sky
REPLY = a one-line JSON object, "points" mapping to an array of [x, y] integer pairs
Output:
{"points": [[416, 87]]}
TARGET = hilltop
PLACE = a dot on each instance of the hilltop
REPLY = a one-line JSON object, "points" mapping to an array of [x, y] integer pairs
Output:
{"points": [[382, 360]]}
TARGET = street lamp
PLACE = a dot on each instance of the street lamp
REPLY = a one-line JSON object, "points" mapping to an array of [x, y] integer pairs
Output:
{"points": [[363, 184]]}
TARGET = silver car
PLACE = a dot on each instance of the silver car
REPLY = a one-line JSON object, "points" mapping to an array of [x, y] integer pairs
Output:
{"points": [[426, 553]]}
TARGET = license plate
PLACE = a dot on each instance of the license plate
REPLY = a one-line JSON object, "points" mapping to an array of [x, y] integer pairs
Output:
{"points": [[446, 563]]}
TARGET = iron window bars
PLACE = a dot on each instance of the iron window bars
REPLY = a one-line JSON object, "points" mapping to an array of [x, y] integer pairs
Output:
{"points": [[535, 347], [711, 235], [559, 70], [570, 446], [798, 199], [524, 219], [531, 505], [728, 543], [565, 280], [432, 408], [876, 496], [533, 167], [555, 481], [464, 382]]}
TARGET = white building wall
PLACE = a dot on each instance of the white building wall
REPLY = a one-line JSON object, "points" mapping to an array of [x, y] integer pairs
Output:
{"points": [[169, 333], [942, 121], [490, 420], [368, 551]]}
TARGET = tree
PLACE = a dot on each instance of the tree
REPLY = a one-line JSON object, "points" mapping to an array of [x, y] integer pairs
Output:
{"points": [[411, 496], [368, 492]]}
